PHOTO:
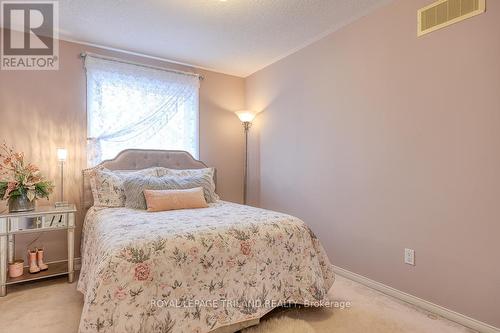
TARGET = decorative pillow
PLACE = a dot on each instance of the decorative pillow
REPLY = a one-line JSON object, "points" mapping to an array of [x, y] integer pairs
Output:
{"points": [[189, 173], [162, 200], [134, 187], [107, 185], [184, 172]]}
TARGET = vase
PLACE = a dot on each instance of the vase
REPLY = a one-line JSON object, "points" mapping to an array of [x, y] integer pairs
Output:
{"points": [[16, 268], [21, 203]]}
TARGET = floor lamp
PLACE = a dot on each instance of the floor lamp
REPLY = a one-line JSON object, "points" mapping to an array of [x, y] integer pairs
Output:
{"points": [[246, 118]]}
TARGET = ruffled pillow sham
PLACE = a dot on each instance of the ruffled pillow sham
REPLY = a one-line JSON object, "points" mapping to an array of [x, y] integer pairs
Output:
{"points": [[107, 185]]}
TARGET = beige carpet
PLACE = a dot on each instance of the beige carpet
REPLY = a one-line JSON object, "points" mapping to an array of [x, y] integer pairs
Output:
{"points": [[54, 306]]}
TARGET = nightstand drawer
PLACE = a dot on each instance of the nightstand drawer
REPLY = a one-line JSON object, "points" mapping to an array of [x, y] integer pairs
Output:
{"points": [[27, 223], [55, 221], [24, 223]]}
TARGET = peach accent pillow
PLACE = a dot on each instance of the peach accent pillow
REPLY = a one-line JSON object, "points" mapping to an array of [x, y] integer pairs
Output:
{"points": [[162, 200]]}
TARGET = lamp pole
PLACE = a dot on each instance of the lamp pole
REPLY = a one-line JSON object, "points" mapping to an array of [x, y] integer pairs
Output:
{"points": [[246, 118], [246, 126], [62, 155], [62, 181]]}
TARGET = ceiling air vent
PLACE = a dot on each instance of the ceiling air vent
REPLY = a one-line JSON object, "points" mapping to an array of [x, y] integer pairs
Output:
{"points": [[445, 12]]}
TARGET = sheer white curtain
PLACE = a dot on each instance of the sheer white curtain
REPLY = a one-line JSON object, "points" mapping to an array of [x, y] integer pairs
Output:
{"points": [[132, 106]]}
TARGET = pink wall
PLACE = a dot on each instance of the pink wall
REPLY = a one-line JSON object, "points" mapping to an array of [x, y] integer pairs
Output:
{"points": [[43, 110], [381, 140]]}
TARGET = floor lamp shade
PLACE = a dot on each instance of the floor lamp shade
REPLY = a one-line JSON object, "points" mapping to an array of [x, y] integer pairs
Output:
{"points": [[246, 116]]}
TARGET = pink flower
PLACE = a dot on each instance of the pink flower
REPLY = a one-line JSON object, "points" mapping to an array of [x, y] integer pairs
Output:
{"points": [[194, 251], [126, 254], [19, 157], [106, 278], [32, 168], [11, 186], [231, 262], [221, 317], [120, 294], [219, 244], [245, 248], [142, 272]]}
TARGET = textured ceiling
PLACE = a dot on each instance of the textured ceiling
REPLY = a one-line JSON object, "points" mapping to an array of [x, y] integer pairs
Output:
{"points": [[236, 37]]}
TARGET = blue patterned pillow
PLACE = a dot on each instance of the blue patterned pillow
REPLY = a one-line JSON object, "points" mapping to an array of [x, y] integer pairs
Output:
{"points": [[134, 187]]}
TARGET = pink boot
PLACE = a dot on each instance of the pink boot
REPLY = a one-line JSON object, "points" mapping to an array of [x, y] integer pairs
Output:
{"points": [[39, 256], [33, 268]]}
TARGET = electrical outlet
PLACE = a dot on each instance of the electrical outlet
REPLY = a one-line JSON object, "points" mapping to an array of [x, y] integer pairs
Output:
{"points": [[410, 257]]}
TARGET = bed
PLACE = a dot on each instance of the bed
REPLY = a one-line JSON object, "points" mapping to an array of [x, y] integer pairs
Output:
{"points": [[216, 269]]}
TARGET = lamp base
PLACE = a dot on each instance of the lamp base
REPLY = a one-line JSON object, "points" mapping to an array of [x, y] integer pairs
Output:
{"points": [[62, 204]]}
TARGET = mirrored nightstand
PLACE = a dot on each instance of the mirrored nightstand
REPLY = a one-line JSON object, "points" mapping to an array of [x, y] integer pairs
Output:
{"points": [[42, 219]]}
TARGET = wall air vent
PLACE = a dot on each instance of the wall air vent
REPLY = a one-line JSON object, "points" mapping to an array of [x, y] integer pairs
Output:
{"points": [[445, 12]]}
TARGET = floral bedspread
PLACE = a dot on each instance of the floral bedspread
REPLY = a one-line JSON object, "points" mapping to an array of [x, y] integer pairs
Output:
{"points": [[195, 270]]}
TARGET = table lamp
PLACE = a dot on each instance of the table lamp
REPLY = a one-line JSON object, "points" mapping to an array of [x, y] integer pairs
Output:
{"points": [[62, 156]]}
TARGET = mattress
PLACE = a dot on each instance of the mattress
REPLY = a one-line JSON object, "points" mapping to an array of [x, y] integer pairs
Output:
{"points": [[195, 270]]}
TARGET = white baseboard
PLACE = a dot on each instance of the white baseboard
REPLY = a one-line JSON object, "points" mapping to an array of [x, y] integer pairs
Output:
{"points": [[431, 307]]}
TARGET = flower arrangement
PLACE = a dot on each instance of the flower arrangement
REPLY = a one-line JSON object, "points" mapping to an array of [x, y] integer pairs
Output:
{"points": [[20, 180]]}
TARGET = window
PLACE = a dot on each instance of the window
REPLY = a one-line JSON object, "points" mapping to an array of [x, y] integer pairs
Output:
{"points": [[133, 106]]}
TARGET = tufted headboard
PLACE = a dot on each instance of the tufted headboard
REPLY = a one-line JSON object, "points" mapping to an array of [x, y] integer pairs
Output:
{"points": [[137, 159]]}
